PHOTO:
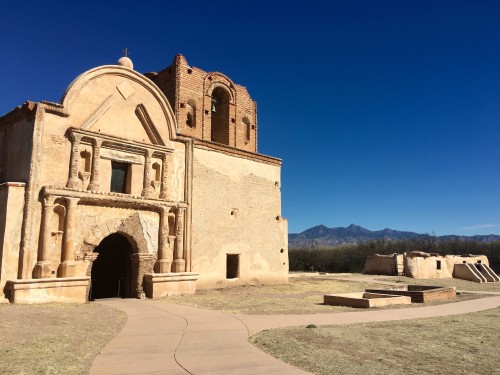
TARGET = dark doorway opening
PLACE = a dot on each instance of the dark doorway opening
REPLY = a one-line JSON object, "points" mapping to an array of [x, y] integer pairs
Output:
{"points": [[111, 271], [232, 266]]}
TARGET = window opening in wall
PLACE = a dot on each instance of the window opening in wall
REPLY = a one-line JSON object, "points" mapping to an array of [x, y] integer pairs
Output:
{"points": [[247, 128], [232, 266], [479, 261], [191, 114], [438, 264], [119, 174], [220, 116]]}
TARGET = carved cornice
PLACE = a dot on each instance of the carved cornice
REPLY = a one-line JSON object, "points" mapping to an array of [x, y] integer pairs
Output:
{"points": [[111, 199], [54, 108], [121, 144]]}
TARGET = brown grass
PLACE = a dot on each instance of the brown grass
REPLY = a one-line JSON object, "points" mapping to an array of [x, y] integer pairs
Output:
{"points": [[54, 339], [302, 295], [460, 344]]}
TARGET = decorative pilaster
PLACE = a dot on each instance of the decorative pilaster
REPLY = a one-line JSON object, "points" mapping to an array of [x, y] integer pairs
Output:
{"points": [[73, 180], [147, 190], [96, 156], [141, 264], [164, 174], [68, 264], [42, 267], [179, 262], [164, 262]]}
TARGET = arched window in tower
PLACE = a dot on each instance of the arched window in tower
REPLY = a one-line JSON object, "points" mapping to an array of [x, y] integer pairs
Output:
{"points": [[246, 128], [220, 116], [191, 114]]}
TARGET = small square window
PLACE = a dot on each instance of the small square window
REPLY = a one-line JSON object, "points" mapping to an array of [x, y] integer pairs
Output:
{"points": [[119, 176]]}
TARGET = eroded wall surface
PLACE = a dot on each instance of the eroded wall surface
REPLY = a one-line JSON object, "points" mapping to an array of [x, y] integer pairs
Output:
{"points": [[11, 221], [237, 211]]}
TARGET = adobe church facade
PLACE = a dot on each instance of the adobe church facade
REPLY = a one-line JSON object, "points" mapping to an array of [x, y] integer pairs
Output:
{"points": [[137, 185]]}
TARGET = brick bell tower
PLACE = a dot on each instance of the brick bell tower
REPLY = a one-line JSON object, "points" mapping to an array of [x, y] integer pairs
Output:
{"points": [[209, 106]]}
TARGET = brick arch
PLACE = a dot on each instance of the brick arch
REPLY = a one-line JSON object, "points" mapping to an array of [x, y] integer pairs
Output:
{"points": [[230, 91]]}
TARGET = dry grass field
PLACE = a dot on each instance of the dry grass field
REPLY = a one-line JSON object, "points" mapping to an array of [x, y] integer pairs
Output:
{"points": [[54, 339], [461, 344], [302, 295]]}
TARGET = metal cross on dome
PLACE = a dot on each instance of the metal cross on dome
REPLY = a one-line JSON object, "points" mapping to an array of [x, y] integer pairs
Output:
{"points": [[126, 52]]}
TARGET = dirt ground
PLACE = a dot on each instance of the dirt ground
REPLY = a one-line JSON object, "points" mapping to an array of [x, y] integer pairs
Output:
{"points": [[302, 295], [461, 344], [54, 339]]}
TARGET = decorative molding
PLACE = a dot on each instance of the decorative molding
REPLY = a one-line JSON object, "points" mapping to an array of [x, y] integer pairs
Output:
{"points": [[106, 104], [149, 126]]}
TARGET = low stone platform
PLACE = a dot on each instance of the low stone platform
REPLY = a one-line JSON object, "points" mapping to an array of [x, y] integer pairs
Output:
{"points": [[365, 299], [419, 293]]}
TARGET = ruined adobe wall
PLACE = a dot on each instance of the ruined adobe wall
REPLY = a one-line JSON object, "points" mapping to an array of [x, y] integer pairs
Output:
{"points": [[434, 266], [378, 264], [236, 209]]}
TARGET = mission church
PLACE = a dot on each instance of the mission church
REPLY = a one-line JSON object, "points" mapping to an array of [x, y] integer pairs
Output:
{"points": [[137, 185]]}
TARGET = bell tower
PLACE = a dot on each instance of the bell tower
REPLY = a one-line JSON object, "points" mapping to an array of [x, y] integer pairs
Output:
{"points": [[209, 106]]}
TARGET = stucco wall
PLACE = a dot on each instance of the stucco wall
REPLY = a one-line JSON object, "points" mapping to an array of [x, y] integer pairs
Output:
{"points": [[11, 221], [380, 264], [425, 266], [15, 151], [236, 209]]}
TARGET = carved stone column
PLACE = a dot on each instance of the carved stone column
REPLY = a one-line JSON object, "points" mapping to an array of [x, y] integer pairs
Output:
{"points": [[179, 262], [42, 267], [141, 264], [68, 264], [73, 180], [164, 262], [147, 190], [96, 156], [164, 177]]}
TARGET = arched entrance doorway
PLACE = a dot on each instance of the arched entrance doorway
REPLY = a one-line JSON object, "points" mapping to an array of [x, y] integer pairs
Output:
{"points": [[112, 270]]}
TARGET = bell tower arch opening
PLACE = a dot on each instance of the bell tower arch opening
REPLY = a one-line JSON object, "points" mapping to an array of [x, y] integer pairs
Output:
{"points": [[111, 274], [220, 116]]}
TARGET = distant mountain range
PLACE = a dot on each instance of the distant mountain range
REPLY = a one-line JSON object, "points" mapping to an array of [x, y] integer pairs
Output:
{"points": [[324, 236]]}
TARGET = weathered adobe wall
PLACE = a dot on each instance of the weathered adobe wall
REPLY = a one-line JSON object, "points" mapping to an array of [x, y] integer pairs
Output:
{"points": [[425, 267], [186, 88], [379, 264], [11, 221], [237, 210], [16, 137]]}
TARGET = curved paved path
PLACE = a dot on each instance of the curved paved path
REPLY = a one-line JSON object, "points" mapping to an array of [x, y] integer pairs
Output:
{"points": [[165, 338]]}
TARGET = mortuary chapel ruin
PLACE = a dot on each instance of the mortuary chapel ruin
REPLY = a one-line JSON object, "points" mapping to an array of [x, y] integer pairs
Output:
{"points": [[137, 185]]}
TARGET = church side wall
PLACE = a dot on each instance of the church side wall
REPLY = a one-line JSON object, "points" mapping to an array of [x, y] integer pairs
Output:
{"points": [[236, 209], [15, 151], [11, 220]]}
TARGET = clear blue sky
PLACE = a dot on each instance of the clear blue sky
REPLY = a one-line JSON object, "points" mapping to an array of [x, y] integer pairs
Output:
{"points": [[385, 113]]}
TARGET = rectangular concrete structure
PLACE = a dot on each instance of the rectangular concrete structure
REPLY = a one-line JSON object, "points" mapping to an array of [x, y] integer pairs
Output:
{"points": [[158, 285], [65, 290], [365, 300], [419, 293]]}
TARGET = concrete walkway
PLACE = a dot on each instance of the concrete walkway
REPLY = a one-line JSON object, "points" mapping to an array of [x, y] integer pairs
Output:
{"points": [[165, 338]]}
